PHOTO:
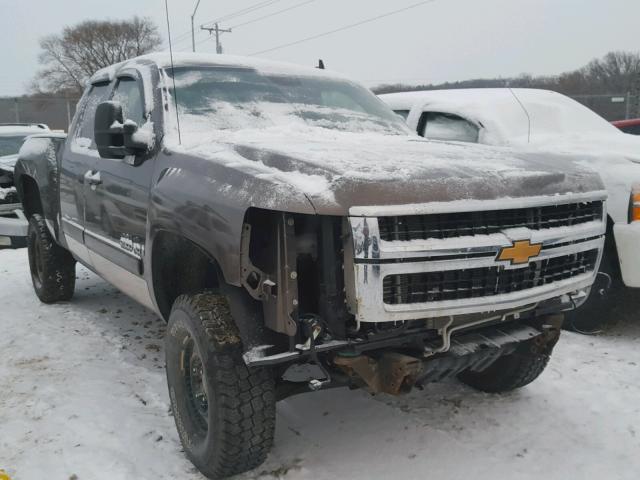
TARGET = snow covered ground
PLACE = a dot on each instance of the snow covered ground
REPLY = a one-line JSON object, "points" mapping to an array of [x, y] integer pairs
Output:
{"points": [[83, 395]]}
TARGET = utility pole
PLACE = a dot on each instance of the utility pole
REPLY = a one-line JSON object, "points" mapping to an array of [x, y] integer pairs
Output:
{"points": [[16, 110], [216, 28], [635, 92], [193, 33], [68, 114]]}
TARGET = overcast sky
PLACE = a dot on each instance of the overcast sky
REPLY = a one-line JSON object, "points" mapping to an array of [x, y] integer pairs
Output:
{"points": [[439, 41]]}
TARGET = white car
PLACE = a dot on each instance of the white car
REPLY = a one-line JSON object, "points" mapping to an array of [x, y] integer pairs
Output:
{"points": [[13, 227], [545, 120]]}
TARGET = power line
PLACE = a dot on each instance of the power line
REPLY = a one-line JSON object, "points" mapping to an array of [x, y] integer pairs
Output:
{"points": [[343, 28], [273, 14], [251, 8], [244, 11]]}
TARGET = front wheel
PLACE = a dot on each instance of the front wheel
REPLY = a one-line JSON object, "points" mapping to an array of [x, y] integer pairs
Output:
{"points": [[224, 411], [511, 371], [53, 269]]}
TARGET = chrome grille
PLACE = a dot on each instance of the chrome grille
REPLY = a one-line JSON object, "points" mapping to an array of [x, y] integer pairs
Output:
{"points": [[485, 281], [449, 225]]}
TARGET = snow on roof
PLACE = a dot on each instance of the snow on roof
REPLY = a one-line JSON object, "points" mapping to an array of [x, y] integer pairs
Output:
{"points": [[10, 129], [507, 113], [494, 109], [183, 59]]}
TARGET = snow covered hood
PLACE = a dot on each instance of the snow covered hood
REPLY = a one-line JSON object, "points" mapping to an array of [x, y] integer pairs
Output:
{"points": [[338, 170]]}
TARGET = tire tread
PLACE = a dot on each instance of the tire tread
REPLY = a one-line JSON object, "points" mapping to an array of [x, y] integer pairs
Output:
{"points": [[246, 399]]}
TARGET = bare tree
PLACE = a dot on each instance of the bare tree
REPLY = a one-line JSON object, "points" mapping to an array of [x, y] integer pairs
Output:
{"points": [[70, 58], [616, 72]]}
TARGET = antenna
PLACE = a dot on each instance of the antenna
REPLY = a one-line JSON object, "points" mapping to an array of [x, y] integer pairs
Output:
{"points": [[173, 72]]}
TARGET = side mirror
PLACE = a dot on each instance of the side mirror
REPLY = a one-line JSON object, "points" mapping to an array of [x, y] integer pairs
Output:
{"points": [[116, 138], [107, 130]]}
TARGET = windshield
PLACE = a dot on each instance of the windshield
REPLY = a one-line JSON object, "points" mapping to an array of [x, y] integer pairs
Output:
{"points": [[10, 145], [240, 98]]}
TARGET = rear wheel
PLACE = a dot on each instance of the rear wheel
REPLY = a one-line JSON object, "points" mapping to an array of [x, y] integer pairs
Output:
{"points": [[53, 269], [224, 411]]}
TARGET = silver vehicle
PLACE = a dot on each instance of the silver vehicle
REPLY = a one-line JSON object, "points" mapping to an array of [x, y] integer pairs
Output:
{"points": [[13, 226]]}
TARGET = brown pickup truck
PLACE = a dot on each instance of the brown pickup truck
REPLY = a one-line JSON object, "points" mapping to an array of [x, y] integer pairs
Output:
{"points": [[278, 216]]}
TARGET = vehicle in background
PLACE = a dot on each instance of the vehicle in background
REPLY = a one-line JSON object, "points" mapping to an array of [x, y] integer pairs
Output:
{"points": [[553, 122], [13, 226], [281, 216], [631, 126]]}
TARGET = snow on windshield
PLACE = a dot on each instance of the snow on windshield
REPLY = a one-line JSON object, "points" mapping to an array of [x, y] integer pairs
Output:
{"points": [[234, 99]]}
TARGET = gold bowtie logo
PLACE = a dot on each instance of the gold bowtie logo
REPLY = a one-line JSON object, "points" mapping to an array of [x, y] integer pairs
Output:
{"points": [[520, 252]]}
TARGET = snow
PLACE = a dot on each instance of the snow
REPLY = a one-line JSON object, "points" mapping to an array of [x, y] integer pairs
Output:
{"points": [[82, 392], [144, 134], [181, 59], [8, 162], [509, 116], [318, 160], [17, 129], [37, 146], [5, 192], [264, 66]]}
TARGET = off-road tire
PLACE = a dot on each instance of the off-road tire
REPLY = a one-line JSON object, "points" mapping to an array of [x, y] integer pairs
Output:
{"points": [[53, 269], [509, 372], [235, 431]]}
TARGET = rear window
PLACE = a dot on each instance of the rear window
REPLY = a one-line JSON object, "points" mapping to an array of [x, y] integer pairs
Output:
{"points": [[446, 126]]}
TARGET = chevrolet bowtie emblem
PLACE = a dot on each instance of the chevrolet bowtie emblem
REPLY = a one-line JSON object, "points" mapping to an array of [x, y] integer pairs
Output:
{"points": [[520, 252]]}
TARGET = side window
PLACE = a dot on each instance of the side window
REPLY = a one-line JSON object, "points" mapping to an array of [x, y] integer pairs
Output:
{"points": [[446, 126], [402, 113], [84, 133], [129, 94]]}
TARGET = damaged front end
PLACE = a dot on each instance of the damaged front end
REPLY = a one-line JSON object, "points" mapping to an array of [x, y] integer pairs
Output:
{"points": [[388, 302]]}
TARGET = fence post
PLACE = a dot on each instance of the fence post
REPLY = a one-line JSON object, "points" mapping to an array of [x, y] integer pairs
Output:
{"points": [[627, 106]]}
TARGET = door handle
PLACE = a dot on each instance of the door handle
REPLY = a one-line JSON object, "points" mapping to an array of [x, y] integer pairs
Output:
{"points": [[92, 177]]}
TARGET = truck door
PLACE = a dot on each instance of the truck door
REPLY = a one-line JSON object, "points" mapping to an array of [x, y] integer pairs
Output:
{"points": [[117, 202], [80, 156]]}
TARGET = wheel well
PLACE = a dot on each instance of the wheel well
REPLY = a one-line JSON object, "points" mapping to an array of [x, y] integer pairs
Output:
{"points": [[179, 266], [610, 260], [31, 201]]}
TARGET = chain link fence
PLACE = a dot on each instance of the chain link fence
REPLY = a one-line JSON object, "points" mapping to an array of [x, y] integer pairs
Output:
{"points": [[612, 107], [57, 112]]}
